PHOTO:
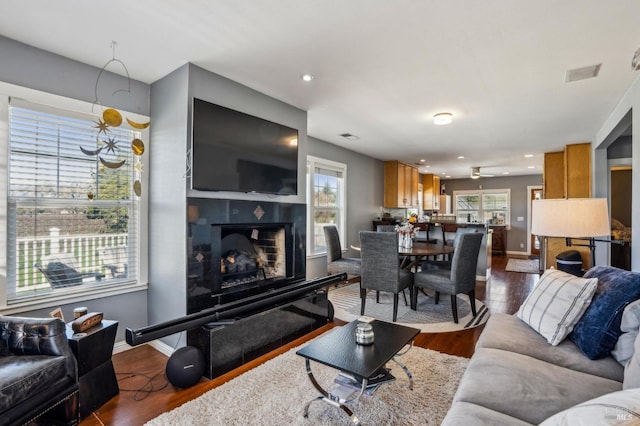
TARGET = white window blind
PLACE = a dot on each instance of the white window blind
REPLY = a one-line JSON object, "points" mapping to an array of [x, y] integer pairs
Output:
{"points": [[72, 209], [326, 200]]}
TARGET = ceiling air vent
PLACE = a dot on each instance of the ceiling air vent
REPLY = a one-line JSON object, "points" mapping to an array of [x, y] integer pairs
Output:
{"points": [[582, 73], [350, 136]]}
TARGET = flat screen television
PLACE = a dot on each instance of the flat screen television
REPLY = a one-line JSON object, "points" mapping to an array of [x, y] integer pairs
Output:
{"points": [[234, 151]]}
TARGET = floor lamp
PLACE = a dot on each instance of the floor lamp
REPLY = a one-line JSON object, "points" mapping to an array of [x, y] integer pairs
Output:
{"points": [[579, 218]]}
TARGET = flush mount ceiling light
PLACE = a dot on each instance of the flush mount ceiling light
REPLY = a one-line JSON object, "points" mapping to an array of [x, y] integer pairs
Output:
{"points": [[442, 118]]}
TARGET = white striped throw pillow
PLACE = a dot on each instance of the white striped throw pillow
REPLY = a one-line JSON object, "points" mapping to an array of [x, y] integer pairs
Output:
{"points": [[556, 304]]}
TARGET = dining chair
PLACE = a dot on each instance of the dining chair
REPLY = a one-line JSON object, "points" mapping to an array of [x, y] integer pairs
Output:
{"points": [[459, 278], [380, 268], [336, 264]]}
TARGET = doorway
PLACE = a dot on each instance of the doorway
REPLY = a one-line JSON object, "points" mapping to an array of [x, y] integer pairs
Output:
{"points": [[533, 249]]}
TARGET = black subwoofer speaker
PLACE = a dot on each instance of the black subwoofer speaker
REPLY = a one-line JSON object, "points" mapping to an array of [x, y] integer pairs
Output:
{"points": [[185, 367]]}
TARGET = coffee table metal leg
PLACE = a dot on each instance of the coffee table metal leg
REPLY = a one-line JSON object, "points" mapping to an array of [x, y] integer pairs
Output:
{"points": [[404, 367], [406, 370], [331, 399]]}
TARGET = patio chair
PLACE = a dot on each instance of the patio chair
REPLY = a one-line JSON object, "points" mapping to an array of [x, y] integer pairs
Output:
{"points": [[61, 271], [115, 261]]}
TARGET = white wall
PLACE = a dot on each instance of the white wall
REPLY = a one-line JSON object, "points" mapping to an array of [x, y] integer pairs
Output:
{"points": [[629, 102]]}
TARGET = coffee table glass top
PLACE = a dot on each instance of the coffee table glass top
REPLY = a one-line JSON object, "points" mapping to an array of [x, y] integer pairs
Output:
{"points": [[339, 349]]}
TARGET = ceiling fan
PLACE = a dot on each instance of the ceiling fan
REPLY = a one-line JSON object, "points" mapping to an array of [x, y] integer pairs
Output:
{"points": [[475, 173]]}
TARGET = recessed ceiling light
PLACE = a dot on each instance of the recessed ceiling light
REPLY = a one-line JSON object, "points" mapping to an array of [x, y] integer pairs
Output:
{"points": [[306, 77], [460, 157], [528, 156], [444, 173], [531, 167], [422, 160], [505, 173], [442, 118], [448, 177]]}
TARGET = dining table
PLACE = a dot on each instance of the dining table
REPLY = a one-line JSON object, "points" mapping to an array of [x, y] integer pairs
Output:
{"points": [[419, 250], [412, 256]]}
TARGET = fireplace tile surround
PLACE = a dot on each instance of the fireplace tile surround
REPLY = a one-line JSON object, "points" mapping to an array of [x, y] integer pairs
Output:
{"points": [[274, 231]]}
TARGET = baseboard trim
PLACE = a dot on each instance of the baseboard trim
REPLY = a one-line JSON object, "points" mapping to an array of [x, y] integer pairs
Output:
{"points": [[158, 345]]}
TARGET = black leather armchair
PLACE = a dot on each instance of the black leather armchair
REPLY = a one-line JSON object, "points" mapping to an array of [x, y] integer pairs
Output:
{"points": [[38, 372]]}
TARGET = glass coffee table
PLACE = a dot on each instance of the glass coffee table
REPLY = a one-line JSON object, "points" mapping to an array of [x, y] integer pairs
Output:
{"points": [[339, 350]]}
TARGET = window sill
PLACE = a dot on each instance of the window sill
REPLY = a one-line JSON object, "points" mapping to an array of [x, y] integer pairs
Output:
{"points": [[81, 295]]}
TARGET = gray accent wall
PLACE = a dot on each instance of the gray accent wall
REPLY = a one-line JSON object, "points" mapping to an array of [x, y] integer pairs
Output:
{"points": [[519, 200], [171, 103], [365, 192]]}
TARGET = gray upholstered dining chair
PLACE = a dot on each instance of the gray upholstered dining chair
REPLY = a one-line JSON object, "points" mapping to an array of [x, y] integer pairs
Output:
{"points": [[337, 264], [459, 278], [380, 268]]}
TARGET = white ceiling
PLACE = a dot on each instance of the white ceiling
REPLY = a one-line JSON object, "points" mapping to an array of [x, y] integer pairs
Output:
{"points": [[382, 68]]}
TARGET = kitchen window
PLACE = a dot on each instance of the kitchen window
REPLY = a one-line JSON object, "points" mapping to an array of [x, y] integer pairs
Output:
{"points": [[492, 206]]}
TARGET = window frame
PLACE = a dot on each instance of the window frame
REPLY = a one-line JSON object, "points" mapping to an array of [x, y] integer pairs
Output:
{"points": [[481, 209], [81, 292], [341, 210]]}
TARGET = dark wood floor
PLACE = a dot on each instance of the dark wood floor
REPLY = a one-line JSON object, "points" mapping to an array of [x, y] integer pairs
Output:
{"points": [[145, 393]]}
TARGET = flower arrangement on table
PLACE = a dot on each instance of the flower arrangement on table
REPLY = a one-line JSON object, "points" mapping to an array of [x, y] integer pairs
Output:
{"points": [[406, 229]]}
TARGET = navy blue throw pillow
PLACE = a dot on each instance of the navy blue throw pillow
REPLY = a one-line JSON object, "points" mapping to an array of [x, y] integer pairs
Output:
{"points": [[597, 332]]}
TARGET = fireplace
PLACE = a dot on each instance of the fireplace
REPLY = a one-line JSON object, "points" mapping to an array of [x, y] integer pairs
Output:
{"points": [[250, 256], [242, 248]]}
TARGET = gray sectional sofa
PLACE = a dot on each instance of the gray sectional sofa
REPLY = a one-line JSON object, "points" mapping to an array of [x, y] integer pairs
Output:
{"points": [[516, 377]]}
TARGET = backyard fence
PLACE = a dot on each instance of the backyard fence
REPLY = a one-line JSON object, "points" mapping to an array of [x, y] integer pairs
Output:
{"points": [[84, 248]]}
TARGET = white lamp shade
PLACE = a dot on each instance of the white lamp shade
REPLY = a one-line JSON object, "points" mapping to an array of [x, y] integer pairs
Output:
{"points": [[570, 218]]}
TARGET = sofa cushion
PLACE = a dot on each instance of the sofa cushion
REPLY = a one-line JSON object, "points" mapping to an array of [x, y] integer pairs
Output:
{"points": [[629, 326], [526, 388], [632, 369], [614, 408], [27, 375], [597, 332], [509, 333], [468, 414], [556, 303]]}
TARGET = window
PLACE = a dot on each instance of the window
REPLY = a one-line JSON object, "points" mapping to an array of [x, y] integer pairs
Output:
{"points": [[73, 211], [326, 183], [485, 206]]}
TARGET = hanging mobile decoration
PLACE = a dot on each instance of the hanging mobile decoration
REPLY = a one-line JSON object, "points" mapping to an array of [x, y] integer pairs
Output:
{"points": [[113, 118]]}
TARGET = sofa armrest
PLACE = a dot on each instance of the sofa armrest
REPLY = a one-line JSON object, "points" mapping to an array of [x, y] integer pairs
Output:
{"points": [[38, 336]]}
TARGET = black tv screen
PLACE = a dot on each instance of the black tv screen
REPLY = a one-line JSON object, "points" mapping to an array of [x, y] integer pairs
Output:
{"points": [[234, 151]]}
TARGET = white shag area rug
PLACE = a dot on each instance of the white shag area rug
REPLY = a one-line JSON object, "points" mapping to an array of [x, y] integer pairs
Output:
{"points": [[276, 392], [428, 317]]}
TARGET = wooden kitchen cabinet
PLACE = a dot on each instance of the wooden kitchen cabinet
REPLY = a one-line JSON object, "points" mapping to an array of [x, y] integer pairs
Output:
{"points": [[431, 192], [567, 174], [400, 185]]}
